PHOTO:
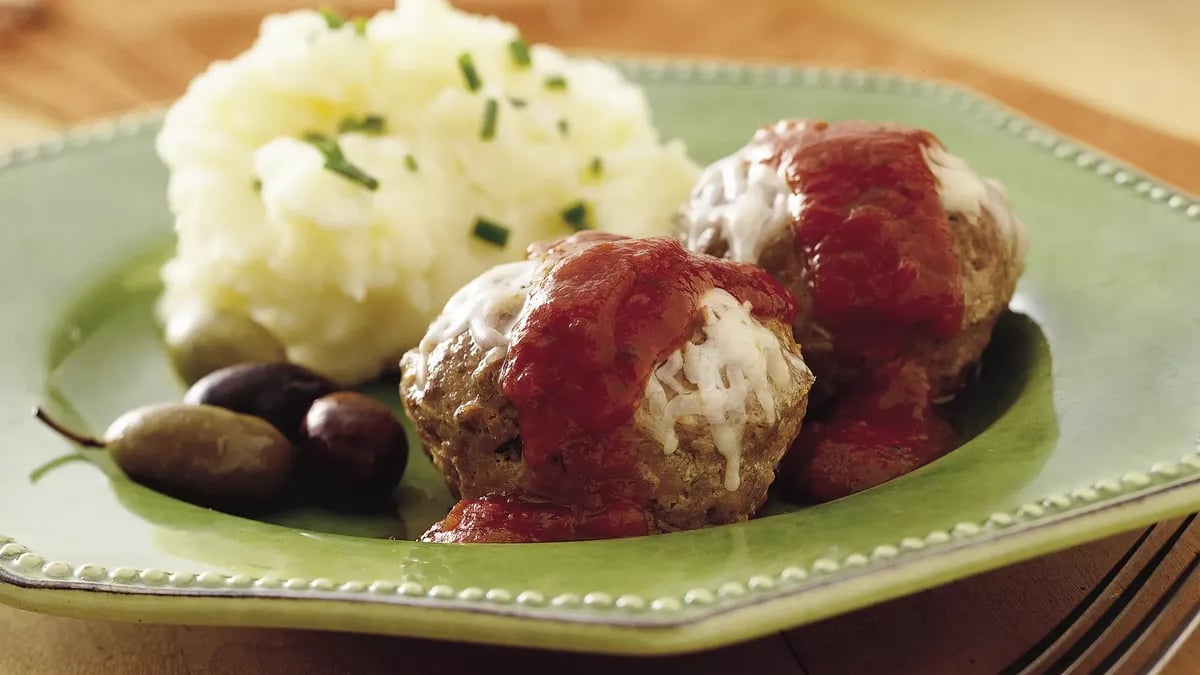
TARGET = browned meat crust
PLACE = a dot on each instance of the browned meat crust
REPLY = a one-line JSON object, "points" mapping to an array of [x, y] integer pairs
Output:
{"points": [[989, 277], [472, 434]]}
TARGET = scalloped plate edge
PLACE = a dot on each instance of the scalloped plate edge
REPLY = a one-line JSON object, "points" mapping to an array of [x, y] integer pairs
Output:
{"points": [[718, 628], [700, 618]]}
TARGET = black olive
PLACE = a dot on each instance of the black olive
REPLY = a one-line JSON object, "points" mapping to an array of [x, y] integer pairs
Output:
{"points": [[279, 393], [354, 446]]}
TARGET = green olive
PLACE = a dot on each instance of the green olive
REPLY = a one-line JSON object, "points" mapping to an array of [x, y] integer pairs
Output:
{"points": [[207, 455], [201, 341]]}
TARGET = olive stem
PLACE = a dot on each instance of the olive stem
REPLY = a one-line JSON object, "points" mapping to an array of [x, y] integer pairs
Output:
{"points": [[85, 441]]}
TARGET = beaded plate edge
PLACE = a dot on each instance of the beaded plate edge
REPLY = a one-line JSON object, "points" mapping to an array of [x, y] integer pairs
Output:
{"points": [[25, 568]]}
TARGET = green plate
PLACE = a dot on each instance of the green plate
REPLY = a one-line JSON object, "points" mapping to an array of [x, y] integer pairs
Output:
{"points": [[1084, 424]]}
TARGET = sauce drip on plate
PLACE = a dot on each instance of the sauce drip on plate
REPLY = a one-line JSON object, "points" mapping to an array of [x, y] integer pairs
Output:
{"points": [[884, 429], [510, 519], [607, 311]]}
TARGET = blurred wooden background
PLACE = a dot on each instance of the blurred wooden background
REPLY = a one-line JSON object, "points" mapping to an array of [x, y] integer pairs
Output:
{"points": [[1122, 75]]}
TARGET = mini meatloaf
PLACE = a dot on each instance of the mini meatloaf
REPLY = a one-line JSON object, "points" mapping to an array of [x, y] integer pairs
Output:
{"points": [[844, 179], [711, 420]]}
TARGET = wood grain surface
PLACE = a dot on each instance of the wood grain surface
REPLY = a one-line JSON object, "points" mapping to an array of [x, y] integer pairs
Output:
{"points": [[1121, 76]]}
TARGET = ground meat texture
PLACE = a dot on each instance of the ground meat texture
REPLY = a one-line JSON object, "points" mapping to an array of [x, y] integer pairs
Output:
{"points": [[989, 278], [900, 259], [472, 434], [987, 245], [467, 427]]}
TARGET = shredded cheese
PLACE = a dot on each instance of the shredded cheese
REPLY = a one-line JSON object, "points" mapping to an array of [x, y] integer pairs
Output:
{"points": [[489, 307], [962, 190], [740, 362], [744, 201]]}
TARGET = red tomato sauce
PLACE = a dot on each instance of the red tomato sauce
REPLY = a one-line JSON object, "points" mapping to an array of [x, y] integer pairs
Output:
{"points": [[873, 234], [883, 430], [883, 275], [607, 312], [510, 519]]}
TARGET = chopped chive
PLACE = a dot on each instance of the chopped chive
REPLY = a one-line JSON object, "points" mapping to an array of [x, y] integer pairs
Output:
{"points": [[490, 112], [367, 124], [556, 82], [596, 167], [490, 232], [257, 185], [322, 141], [410, 163], [336, 162], [518, 102], [519, 51], [332, 18], [564, 127], [353, 174], [360, 26], [467, 65], [576, 216]]}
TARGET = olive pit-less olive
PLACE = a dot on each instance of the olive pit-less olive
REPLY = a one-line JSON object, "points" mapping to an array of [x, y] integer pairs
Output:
{"points": [[279, 393], [354, 446], [201, 341], [204, 454]]}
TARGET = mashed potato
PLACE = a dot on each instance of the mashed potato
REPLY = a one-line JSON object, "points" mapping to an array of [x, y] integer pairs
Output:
{"points": [[346, 245]]}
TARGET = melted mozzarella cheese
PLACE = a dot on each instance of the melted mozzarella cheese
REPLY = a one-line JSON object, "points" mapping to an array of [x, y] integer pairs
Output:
{"points": [[739, 363], [716, 380], [488, 307], [744, 201], [961, 190]]}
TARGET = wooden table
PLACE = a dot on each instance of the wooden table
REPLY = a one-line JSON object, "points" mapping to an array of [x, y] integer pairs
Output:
{"points": [[1121, 76]]}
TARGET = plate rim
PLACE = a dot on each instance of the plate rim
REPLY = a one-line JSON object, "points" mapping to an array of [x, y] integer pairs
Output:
{"points": [[755, 605], [722, 626]]}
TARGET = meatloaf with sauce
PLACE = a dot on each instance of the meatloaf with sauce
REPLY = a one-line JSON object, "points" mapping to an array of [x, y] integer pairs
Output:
{"points": [[751, 205], [709, 421], [900, 258]]}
